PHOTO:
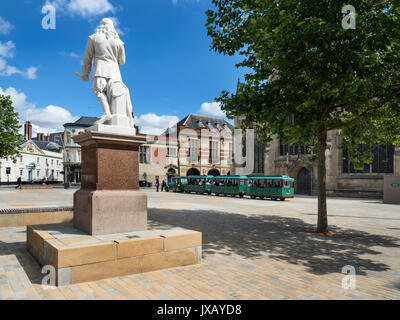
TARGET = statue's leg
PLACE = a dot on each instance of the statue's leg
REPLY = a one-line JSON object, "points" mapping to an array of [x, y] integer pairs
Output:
{"points": [[104, 104], [99, 88]]}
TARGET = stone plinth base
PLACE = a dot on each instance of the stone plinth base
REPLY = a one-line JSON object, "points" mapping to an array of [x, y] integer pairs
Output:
{"points": [[79, 257], [107, 212], [113, 129]]}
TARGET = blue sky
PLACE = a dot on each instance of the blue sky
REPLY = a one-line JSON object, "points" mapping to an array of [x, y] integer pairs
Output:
{"points": [[170, 69]]}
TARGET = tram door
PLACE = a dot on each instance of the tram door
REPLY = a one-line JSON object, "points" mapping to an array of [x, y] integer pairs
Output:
{"points": [[304, 182]]}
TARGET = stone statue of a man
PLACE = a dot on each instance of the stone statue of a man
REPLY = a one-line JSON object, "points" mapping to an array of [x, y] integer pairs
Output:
{"points": [[108, 53]]}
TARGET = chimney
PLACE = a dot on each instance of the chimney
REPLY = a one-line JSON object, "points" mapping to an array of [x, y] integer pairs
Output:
{"points": [[28, 130]]}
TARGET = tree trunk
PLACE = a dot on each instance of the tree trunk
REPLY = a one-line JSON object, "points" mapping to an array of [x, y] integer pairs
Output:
{"points": [[322, 208]]}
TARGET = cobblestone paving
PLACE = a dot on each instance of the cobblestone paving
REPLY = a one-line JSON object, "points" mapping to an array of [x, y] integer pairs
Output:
{"points": [[252, 249]]}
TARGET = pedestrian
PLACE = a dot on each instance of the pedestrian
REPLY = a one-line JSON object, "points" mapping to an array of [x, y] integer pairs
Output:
{"points": [[163, 186], [19, 181], [157, 185]]}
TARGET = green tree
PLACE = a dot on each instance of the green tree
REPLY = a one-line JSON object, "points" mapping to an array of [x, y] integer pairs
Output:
{"points": [[305, 65], [10, 139]]}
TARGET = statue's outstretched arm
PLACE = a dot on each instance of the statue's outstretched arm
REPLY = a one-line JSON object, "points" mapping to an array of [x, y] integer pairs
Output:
{"points": [[87, 60]]}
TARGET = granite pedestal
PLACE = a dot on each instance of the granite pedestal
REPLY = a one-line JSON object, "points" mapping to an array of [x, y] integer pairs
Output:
{"points": [[109, 200]]}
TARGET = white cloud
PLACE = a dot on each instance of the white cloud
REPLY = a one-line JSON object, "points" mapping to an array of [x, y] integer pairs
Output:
{"points": [[44, 120], [70, 54], [176, 2], [30, 73], [5, 26], [83, 8], [151, 123], [212, 109], [7, 51]]}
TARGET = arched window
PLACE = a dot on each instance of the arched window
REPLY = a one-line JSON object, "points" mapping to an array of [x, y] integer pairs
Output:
{"points": [[193, 172]]}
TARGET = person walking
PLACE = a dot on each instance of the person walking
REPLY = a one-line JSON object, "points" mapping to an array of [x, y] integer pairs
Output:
{"points": [[163, 186], [157, 185], [19, 181]]}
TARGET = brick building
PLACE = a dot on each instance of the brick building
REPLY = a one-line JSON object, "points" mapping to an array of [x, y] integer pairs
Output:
{"points": [[204, 145]]}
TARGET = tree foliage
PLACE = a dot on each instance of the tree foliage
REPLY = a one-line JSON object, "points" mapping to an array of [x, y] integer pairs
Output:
{"points": [[10, 139], [326, 76], [304, 63]]}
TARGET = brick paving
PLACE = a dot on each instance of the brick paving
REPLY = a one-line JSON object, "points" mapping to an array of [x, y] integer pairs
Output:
{"points": [[252, 249]]}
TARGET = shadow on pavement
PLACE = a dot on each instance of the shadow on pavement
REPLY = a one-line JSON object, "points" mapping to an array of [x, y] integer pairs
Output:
{"points": [[281, 238], [18, 249]]}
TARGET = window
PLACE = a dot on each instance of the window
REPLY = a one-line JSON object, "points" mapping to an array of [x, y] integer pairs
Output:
{"points": [[52, 161], [171, 152], [213, 152], [38, 173], [21, 172], [68, 138], [38, 160], [144, 154], [21, 159], [193, 150], [293, 150], [382, 160]]}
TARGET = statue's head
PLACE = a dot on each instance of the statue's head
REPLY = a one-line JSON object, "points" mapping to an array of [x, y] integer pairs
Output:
{"points": [[107, 28]]}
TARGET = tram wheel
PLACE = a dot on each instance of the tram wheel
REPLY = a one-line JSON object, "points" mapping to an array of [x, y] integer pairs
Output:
{"points": [[283, 199]]}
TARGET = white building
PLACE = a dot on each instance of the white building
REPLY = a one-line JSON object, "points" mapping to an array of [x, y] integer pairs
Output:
{"points": [[72, 150], [34, 164]]}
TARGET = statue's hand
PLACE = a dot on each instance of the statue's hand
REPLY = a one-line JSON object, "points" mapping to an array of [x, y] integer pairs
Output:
{"points": [[84, 78]]}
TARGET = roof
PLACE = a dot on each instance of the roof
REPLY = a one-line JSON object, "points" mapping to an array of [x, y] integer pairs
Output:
{"points": [[48, 145], [195, 122], [271, 178], [231, 177], [200, 177], [82, 122]]}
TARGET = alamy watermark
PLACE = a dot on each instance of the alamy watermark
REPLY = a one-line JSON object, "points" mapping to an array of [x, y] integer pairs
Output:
{"points": [[349, 21], [49, 20], [49, 280], [349, 281]]}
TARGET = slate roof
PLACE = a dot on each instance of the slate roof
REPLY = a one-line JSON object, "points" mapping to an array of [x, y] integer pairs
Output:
{"points": [[195, 122], [83, 121], [48, 145]]}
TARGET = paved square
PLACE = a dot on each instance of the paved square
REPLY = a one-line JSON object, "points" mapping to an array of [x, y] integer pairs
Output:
{"points": [[252, 249]]}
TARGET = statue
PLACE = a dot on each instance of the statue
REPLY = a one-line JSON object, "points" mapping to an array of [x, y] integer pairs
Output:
{"points": [[108, 53]]}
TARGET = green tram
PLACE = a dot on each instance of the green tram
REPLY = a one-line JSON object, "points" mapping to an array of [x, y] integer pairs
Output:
{"points": [[177, 184], [229, 185], [198, 184], [274, 187]]}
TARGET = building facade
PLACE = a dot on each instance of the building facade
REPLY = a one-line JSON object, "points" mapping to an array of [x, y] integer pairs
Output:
{"points": [[38, 162], [278, 158], [72, 150], [204, 145], [158, 159]]}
